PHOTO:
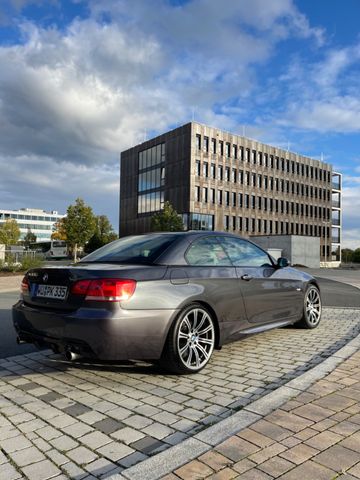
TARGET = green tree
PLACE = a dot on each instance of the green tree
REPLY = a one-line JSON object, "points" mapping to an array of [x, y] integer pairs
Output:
{"points": [[347, 255], [104, 233], [79, 225], [9, 232], [168, 220], [356, 256], [29, 238]]}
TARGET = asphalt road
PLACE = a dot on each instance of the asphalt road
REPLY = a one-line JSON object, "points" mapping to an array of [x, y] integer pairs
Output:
{"points": [[334, 294]]}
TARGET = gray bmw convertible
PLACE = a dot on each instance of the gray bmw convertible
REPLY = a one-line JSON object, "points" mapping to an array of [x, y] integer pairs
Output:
{"points": [[166, 297]]}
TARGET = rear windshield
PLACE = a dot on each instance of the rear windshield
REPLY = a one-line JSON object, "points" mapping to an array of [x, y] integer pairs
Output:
{"points": [[142, 249]]}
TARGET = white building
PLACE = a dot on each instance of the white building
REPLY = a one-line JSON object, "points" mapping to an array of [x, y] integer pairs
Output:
{"points": [[40, 222]]}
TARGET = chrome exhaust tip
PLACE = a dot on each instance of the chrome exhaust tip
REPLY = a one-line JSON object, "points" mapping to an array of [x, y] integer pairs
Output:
{"points": [[71, 356], [20, 341]]}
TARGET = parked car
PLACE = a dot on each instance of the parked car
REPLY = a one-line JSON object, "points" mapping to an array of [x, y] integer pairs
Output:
{"points": [[166, 297]]}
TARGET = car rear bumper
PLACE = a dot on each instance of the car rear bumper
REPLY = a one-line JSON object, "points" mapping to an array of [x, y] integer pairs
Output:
{"points": [[100, 333]]}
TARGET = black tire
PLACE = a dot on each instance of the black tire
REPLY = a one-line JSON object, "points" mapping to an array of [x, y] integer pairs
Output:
{"points": [[188, 350], [312, 308]]}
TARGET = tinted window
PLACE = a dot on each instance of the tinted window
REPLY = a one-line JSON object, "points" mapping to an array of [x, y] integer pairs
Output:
{"points": [[243, 253], [207, 251], [144, 249]]}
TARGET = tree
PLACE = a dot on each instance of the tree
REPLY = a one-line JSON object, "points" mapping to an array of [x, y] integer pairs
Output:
{"points": [[347, 255], [29, 238], [104, 233], [60, 230], [79, 225], [168, 220], [9, 232], [356, 256]]}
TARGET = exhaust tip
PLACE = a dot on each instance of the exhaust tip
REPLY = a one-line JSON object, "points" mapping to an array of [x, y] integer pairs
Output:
{"points": [[71, 356], [20, 341]]}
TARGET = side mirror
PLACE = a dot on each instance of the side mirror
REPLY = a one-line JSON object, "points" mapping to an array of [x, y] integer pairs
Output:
{"points": [[282, 262]]}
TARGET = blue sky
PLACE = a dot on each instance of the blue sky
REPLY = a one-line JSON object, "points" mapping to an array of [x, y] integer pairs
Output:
{"points": [[82, 80]]}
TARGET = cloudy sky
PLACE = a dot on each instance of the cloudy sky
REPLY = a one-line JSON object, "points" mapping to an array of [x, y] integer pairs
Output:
{"points": [[82, 80]]}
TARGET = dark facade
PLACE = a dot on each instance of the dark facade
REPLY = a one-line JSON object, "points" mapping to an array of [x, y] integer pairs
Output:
{"points": [[221, 181]]}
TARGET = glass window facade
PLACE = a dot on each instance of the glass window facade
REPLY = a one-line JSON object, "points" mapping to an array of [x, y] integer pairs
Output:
{"points": [[151, 179]]}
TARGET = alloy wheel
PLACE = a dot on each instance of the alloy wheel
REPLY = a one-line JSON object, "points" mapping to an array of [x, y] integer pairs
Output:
{"points": [[313, 306], [195, 339]]}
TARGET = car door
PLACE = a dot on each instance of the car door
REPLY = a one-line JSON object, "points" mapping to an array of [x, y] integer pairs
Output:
{"points": [[210, 267], [270, 294]]}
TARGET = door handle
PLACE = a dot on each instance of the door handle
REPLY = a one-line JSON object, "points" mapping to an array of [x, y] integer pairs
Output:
{"points": [[246, 277]]}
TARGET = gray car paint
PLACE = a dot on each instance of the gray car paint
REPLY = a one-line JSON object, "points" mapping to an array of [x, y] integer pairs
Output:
{"points": [[138, 328]]}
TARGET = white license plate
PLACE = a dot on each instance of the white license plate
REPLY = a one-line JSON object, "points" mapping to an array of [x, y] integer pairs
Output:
{"points": [[51, 291]]}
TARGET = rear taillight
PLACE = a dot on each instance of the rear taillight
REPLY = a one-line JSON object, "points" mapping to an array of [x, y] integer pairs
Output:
{"points": [[25, 286], [105, 289]]}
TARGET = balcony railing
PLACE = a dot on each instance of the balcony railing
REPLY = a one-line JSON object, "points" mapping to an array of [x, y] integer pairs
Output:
{"points": [[335, 239], [336, 203], [336, 186], [335, 221]]}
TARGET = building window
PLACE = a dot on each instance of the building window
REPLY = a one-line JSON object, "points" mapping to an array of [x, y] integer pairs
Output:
{"points": [[197, 194], [228, 150], [213, 146], [227, 198], [233, 175], [254, 157], [234, 148], [233, 203], [198, 221], [205, 194], [151, 179], [205, 169], [197, 168], [206, 144], [227, 174], [198, 142], [220, 172], [212, 195], [219, 197], [213, 170], [226, 222], [221, 147]]}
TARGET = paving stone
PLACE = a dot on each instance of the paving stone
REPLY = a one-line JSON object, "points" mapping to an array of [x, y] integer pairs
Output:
{"points": [[95, 440], [64, 443], [324, 440], [8, 472], [81, 455], [27, 456], [108, 425], [309, 470], [352, 442], [215, 460], [299, 454], [147, 445], [115, 451], [157, 430], [193, 470], [76, 410], [128, 435], [78, 429], [100, 467], [276, 466], [236, 448], [137, 421], [15, 443], [41, 470], [73, 471], [132, 459]]}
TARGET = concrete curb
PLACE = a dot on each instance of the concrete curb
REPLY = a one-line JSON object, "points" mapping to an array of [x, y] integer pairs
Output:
{"points": [[166, 462]]}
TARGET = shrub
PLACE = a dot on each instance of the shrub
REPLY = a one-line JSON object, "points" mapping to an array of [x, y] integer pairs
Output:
{"points": [[28, 262]]}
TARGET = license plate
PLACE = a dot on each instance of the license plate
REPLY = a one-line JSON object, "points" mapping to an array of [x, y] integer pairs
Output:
{"points": [[51, 291]]}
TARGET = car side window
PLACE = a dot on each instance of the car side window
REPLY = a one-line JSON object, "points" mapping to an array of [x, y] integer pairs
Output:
{"points": [[244, 254], [207, 251]]}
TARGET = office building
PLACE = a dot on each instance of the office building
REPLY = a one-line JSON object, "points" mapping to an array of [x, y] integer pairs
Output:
{"points": [[221, 181], [39, 222]]}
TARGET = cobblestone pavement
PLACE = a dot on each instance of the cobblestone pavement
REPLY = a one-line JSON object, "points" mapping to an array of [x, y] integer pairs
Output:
{"points": [[315, 436], [62, 420]]}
